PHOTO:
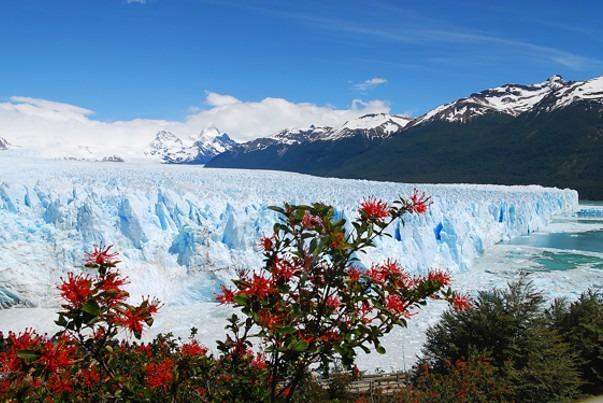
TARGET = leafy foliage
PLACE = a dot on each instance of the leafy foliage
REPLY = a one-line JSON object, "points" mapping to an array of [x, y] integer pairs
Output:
{"points": [[581, 326], [510, 326]]}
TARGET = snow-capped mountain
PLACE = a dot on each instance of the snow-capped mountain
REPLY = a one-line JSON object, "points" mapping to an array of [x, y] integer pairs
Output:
{"points": [[374, 125], [370, 127], [3, 144], [515, 99], [300, 135], [169, 148]]}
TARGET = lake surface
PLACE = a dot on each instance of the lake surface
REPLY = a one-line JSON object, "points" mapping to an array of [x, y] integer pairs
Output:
{"points": [[563, 261]]}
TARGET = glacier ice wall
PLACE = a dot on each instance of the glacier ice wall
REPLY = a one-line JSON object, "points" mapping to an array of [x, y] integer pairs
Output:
{"points": [[183, 230]]}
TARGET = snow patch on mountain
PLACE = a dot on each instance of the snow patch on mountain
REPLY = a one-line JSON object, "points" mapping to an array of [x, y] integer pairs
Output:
{"points": [[580, 91], [509, 99], [183, 230], [373, 125], [515, 99]]}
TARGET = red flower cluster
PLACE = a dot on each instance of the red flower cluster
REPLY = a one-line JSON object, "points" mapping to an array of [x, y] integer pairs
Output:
{"points": [[419, 202], [333, 302], [374, 209], [259, 362], [90, 376], [311, 221], [259, 287], [461, 302], [266, 243], [353, 274], [76, 289], [284, 269], [56, 355], [133, 318], [193, 349], [101, 257], [227, 296], [388, 270], [161, 374], [395, 304], [439, 276]]}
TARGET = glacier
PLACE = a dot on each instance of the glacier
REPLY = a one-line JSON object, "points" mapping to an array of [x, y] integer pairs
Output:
{"points": [[184, 230]]}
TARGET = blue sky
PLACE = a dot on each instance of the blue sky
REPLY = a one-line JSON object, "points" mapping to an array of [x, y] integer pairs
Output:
{"points": [[157, 59]]}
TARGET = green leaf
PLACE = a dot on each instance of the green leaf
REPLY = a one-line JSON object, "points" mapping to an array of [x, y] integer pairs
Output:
{"points": [[91, 308], [61, 321], [298, 345], [28, 355], [380, 349]]}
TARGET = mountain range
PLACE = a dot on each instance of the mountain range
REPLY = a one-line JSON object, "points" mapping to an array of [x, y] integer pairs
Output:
{"points": [[550, 133]]}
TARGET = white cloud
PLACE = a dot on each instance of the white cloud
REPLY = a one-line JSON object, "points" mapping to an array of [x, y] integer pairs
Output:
{"points": [[136, 1], [60, 129], [370, 83]]}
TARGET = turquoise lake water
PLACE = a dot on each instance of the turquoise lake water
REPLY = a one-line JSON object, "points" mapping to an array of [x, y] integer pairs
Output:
{"points": [[563, 260], [576, 242]]}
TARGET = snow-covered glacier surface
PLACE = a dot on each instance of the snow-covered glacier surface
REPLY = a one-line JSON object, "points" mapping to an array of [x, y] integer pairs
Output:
{"points": [[182, 230]]}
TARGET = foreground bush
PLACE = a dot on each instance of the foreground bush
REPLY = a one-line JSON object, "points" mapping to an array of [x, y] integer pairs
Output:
{"points": [[308, 306], [510, 327], [581, 326]]}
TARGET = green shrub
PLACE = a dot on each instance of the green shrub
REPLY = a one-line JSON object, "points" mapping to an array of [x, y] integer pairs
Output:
{"points": [[511, 327], [581, 326]]}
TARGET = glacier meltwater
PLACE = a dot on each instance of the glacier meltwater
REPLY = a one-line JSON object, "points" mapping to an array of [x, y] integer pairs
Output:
{"points": [[184, 230]]}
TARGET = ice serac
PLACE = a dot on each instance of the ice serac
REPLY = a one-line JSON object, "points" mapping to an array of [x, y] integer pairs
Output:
{"points": [[183, 230]]}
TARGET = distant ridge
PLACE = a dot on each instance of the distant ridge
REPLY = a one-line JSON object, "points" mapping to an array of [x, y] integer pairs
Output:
{"points": [[550, 133]]}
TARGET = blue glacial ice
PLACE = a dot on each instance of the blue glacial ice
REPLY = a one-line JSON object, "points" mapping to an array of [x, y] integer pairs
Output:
{"points": [[183, 230]]}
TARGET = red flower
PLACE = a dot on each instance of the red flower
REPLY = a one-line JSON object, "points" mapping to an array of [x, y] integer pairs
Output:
{"points": [[259, 362], [160, 374], [145, 349], [353, 274], [377, 274], [260, 287], [59, 384], [132, 319], [227, 296], [266, 243], [76, 290], [460, 302], [284, 270], [333, 302], [27, 340], [419, 202], [57, 355], [101, 257], [374, 209], [113, 282], [193, 349], [338, 239], [268, 320], [90, 376], [395, 304], [391, 268], [439, 276], [330, 336], [311, 221]]}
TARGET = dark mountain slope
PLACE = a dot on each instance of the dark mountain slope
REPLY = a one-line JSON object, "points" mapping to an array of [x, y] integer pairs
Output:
{"points": [[561, 148]]}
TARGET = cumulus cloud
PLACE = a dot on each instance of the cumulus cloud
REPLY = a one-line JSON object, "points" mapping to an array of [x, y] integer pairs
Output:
{"points": [[370, 83], [59, 129]]}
